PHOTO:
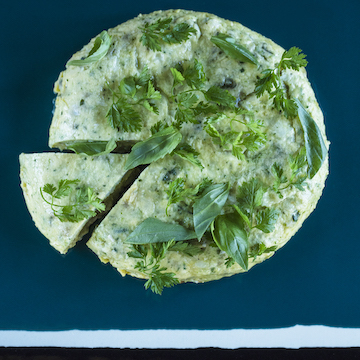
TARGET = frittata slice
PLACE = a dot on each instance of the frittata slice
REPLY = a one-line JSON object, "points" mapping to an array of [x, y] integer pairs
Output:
{"points": [[103, 174]]}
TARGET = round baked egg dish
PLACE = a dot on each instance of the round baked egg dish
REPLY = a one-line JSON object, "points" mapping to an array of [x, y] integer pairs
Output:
{"points": [[219, 129]]}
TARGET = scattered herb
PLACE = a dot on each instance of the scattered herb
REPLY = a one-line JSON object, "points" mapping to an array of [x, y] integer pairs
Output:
{"points": [[186, 248], [234, 50], [153, 230], [271, 81], [298, 176], [314, 143], [240, 141], [186, 152], [221, 97], [92, 148], [230, 237], [123, 117], [259, 249], [153, 148], [150, 256], [195, 75], [160, 32], [209, 206], [101, 46], [81, 200], [250, 209], [132, 92], [178, 192]]}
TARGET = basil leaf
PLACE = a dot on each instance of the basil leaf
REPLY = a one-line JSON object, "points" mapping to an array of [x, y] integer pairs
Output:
{"points": [[231, 238], [314, 143], [92, 148], [153, 230], [227, 44], [154, 148], [99, 50], [209, 206]]}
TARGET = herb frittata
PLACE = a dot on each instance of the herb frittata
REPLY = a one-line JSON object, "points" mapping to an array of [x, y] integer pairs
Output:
{"points": [[221, 124]]}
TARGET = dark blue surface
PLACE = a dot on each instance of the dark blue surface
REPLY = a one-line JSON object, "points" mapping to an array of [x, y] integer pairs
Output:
{"points": [[314, 279]]}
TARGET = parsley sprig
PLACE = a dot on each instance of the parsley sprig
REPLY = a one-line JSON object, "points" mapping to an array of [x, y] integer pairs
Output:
{"points": [[149, 243], [240, 141], [178, 191], [249, 206], [82, 200], [271, 81], [163, 32], [150, 256], [132, 92]]}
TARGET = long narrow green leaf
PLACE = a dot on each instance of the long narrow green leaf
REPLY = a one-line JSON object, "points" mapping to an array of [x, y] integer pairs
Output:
{"points": [[99, 50], [154, 230], [314, 143], [209, 206], [230, 237], [92, 148], [154, 148], [231, 48]]}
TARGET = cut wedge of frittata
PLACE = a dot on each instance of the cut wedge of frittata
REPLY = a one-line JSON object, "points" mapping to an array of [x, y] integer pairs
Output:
{"points": [[51, 181]]}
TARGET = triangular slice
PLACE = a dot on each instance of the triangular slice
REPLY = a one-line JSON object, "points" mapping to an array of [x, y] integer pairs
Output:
{"points": [[104, 174]]}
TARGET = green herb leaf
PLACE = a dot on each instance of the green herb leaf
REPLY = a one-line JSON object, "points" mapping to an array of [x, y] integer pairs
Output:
{"points": [[250, 195], [153, 230], [101, 46], [178, 192], [82, 200], [188, 153], [123, 116], [293, 58], [209, 206], [160, 279], [314, 143], [178, 77], [230, 237], [259, 249], [271, 82], [160, 125], [186, 248], [220, 96], [154, 148], [234, 50], [266, 83], [92, 148], [150, 256], [195, 75], [160, 32], [266, 219]]}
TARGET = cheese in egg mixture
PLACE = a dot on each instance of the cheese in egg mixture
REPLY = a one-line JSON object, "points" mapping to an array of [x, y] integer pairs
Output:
{"points": [[102, 174]]}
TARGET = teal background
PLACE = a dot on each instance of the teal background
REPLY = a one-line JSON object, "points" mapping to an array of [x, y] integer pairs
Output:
{"points": [[314, 279]]}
